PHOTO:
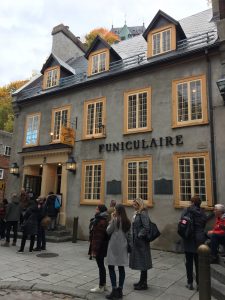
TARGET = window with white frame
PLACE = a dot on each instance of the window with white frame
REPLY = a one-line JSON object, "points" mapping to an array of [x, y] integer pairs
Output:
{"points": [[138, 179], [137, 111], [98, 63], [60, 119], [190, 104], [94, 118], [193, 177], [161, 42], [51, 77], [93, 181], [1, 173], [7, 150], [32, 129]]}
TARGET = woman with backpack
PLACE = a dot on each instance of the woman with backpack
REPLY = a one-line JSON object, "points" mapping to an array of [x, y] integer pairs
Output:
{"points": [[198, 237], [117, 255], [52, 209], [140, 257]]}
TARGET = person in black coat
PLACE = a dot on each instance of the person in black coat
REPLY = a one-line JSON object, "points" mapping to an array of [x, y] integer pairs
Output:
{"points": [[41, 241], [51, 211], [29, 226], [199, 237]]}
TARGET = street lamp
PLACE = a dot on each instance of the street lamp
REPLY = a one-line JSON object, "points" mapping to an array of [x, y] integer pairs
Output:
{"points": [[221, 87], [71, 165], [14, 169]]}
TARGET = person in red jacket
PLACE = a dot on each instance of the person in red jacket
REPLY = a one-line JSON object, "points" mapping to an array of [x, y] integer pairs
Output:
{"points": [[217, 234]]}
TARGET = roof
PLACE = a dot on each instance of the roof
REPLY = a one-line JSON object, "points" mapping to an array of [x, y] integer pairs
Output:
{"points": [[134, 30], [59, 61], [192, 26]]}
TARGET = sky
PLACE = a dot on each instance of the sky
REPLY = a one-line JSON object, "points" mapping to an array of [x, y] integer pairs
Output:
{"points": [[26, 26]]}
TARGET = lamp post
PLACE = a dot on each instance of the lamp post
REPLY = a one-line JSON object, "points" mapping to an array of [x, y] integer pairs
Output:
{"points": [[71, 165], [221, 86], [14, 169]]}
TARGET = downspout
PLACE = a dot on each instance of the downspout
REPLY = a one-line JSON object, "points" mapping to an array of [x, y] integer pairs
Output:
{"points": [[211, 126]]}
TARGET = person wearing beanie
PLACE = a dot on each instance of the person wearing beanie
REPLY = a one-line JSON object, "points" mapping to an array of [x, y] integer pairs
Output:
{"points": [[217, 234], [140, 256], [199, 237], [99, 243]]}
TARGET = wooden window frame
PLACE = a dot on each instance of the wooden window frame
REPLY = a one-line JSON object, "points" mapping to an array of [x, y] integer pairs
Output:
{"points": [[151, 33], [204, 119], [176, 156], [126, 96], [147, 158], [46, 77], [84, 201], [25, 131], [90, 61], [94, 135], [54, 110], [1, 173]]}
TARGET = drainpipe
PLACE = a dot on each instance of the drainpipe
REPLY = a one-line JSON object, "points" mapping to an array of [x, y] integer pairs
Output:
{"points": [[211, 126]]}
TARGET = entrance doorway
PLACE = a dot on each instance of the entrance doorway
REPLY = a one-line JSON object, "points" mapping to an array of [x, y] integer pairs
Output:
{"points": [[32, 184]]}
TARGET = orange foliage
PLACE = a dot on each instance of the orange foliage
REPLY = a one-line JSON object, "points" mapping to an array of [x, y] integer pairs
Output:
{"points": [[108, 36]]}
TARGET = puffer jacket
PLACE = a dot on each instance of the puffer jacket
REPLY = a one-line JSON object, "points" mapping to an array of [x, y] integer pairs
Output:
{"points": [[13, 210]]}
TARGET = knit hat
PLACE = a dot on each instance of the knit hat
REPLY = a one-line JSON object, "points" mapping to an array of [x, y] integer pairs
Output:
{"points": [[102, 208]]}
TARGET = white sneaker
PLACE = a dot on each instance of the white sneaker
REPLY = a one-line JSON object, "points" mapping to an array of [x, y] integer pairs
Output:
{"points": [[98, 289]]}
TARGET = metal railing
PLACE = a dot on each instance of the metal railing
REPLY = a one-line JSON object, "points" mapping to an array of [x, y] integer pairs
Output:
{"points": [[194, 41]]}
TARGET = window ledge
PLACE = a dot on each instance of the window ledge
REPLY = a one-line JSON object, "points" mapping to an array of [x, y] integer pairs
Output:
{"points": [[137, 131], [190, 124], [185, 206], [91, 202], [93, 137]]}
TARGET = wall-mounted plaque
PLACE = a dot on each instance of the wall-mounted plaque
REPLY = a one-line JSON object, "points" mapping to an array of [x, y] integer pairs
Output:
{"points": [[113, 187], [163, 187]]}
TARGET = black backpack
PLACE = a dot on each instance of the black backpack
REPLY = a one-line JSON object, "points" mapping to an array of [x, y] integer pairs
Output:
{"points": [[185, 226]]}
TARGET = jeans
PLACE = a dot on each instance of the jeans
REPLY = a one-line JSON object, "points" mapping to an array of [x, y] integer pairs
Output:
{"points": [[102, 270], [216, 240], [190, 259], [9, 225], [41, 242], [112, 275], [23, 242]]}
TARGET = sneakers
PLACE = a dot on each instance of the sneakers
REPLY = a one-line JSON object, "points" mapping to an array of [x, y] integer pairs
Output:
{"points": [[6, 244], [98, 289], [189, 286]]}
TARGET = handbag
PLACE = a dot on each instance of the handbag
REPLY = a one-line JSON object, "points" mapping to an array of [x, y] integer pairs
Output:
{"points": [[153, 232]]}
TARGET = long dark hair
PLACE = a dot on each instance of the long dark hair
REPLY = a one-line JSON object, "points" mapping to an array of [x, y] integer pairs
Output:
{"points": [[122, 217]]}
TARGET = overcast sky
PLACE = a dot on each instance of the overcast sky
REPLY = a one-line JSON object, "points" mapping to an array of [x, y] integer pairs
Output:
{"points": [[26, 25]]}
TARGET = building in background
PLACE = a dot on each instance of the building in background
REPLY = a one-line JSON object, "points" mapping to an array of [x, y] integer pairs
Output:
{"points": [[5, 152], [126, 32], [141, 118]]}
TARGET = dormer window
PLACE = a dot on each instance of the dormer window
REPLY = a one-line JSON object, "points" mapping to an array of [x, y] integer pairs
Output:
{"points": [[161, 40], [98, 62], [51, 77]]}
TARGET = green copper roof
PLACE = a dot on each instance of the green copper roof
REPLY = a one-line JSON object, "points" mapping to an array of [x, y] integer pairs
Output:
{"points": [[125, 33]]}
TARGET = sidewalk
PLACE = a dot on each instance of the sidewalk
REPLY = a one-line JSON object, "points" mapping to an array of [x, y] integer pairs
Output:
{"points": [[73, 273]]}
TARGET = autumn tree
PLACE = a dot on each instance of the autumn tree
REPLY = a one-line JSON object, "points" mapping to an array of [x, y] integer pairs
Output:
{"points": [[6, 110], [108, 36]]}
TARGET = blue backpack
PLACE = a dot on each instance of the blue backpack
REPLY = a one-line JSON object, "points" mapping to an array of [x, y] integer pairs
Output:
{"points": [[57, 203]]}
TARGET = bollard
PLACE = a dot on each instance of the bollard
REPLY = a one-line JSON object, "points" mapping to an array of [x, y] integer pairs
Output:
{"points": [[204, 272], [75, 230]]}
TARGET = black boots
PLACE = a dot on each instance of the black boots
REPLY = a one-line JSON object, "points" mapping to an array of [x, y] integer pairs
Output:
{"points": [[115, 294], [141, 286]]}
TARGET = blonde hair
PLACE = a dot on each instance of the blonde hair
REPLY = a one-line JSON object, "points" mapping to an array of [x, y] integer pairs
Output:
{"points": [[141, 204], [220, 207]]}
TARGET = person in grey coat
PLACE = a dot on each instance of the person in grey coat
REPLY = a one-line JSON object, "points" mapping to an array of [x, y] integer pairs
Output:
{"points": [[199, 237], [140, 257], [117, 254], [13, 212]]}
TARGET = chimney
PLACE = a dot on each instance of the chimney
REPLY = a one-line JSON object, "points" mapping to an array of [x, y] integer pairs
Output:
{"points": [[218, 7], [65, 44]]}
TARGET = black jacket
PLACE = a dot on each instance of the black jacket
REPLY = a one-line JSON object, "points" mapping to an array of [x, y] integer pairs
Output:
{"points": [[30, 220]]}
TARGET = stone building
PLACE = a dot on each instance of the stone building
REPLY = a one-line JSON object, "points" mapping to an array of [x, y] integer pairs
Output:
{"points": [[141, 118]]}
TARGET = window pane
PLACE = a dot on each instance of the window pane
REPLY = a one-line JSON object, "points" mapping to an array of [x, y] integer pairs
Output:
{"points": [[199, 177], [196, 100], [97, 182], [166, 40], [185, 179], [156, 43], [94, 64], [98, 117], [143, 180], [90, 119], [132, 180], [93, 182], [88, 182], [142, 111], [182, 98], [57, 125], [132, 111], [32, 130], [102, 62]]}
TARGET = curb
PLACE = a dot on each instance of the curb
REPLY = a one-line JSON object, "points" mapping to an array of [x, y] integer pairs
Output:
{"points": [[21, 285]]}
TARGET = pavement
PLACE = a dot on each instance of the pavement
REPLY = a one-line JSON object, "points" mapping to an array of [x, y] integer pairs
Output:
{"points": [[72, 273]]}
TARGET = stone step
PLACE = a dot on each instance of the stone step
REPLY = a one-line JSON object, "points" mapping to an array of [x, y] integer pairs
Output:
{"points": [[57, 233], [217, 289], [222, 260], [218, 272], [54, 237]]}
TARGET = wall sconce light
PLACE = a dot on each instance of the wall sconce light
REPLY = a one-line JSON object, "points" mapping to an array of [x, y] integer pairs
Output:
{"points": [[221, 86], [14, 169], [71, 165]]}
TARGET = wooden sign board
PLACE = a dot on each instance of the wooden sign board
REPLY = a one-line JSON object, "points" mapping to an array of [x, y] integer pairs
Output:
{"points": [[67, 136]]}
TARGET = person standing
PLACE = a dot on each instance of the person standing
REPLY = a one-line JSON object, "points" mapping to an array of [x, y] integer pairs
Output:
{"points": [[12, 217], [99, 244], [41, 241], [140, 256], [111, 208], [3, 206], [199, 237], [29, 226], [117, 255], [24, 199], [51, 210]]}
